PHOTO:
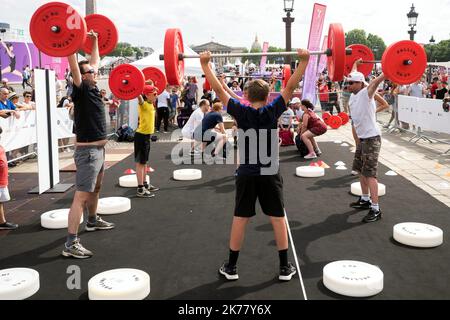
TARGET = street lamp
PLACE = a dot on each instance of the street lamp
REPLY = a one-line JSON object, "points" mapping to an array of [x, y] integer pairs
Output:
{"points": [[288, 8], [412, 21], [430, 73]]}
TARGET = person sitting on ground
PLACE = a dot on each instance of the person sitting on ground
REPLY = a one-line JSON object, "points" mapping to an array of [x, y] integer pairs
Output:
{"points": [[312, 126], [142, 138], [4, 192], [212, 130], [257, 180], [195, 120]]}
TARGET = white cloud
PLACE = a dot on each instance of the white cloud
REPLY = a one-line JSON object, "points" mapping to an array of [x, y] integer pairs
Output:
{"points": [[235, 23]]}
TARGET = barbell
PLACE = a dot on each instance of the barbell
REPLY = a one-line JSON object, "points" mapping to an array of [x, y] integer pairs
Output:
{"points": [[403, 62], [174, 55], [58, 30]]}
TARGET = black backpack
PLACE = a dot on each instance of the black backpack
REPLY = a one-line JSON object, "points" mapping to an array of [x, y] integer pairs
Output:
{"points": [[301, 146], [125, 134]]}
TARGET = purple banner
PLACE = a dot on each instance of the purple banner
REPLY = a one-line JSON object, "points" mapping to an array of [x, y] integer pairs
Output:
{"points": [[323, 58], [14, 56], [315, 35], [262, 66]]}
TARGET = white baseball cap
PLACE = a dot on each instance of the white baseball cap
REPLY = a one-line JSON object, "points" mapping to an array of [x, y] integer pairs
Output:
{"points": [[356, 77], [295, 100]]}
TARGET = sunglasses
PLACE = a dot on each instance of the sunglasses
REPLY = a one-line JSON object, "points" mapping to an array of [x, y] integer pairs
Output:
{"points": [[91, 71], [27, 96]]}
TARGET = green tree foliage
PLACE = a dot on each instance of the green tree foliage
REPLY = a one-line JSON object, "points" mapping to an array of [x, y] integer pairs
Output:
{"points": [[439, 52], [124, 49], [374, 42], [356, 36]]}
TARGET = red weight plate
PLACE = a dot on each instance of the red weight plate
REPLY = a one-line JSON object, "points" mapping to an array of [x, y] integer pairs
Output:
{"points": [[286, 74], [207, 85], [126, 82], [173, 46], [326, 116], [57, 29], [393, 62], [363, 52], [344, 117], [107, 34], [336, 42], [335, 122], [157, 76]]}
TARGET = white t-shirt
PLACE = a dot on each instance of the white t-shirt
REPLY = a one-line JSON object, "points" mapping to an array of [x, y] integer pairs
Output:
{"points": [[162, 99], [286, 117], [416, 90], [194, 120], [363, 112]]}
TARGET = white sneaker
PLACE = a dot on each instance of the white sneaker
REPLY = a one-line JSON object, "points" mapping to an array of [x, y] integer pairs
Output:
{"points": [[311, 156]]}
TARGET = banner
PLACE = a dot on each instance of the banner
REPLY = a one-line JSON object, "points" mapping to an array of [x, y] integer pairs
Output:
{"points": [[14, 56], [323, 58], [19, 133], [262, 66], [315, 35], [427, 114]]}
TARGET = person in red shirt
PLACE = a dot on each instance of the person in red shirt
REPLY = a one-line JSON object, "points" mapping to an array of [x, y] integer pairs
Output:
{"points": [[322, 87], [4, 192]]}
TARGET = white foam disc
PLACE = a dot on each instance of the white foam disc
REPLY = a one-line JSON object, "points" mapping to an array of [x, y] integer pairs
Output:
{"points": [[56, 219], [113, 205], [345, 145], [418, 235], [187, 174], [353, 278], [130, 181], [18, 283], [339, 163], [342, 168], [119, 284], [391, 173], [310, 172], [356, 189]]}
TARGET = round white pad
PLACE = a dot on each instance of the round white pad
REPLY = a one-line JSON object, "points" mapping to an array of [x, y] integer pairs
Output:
{"points": [[356, 189], [418, 235], [187, 174], [56, 219], [119, 284], [18, 283], [310, 172], [113, 205], [353, 278], [130, 181], [341, 168]]}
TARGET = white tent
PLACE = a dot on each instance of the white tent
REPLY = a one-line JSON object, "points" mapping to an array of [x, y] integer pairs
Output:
{"points": [[191, 66]]}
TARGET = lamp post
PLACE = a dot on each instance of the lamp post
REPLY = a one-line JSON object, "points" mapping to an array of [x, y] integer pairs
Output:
{"points": [[412, 21], [430, 71], [288, 8]]}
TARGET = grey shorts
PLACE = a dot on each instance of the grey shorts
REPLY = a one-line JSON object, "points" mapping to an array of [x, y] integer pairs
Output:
{"points": [[89, 161]]}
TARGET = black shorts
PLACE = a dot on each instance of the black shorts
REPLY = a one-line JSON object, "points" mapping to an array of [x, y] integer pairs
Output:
{"points": [[269, 191], [141, 148]]}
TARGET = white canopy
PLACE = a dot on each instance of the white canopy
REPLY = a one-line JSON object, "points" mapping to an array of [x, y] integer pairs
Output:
{"points": [[440, 64], [191, 66]]}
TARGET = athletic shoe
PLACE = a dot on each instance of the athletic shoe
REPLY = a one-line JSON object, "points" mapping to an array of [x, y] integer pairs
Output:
{"points": [[100, 224], [230, 273], [311, 156], [144, 193], [287, 272], [361, 204], [8, 226], [152, 188], [355, 173], [318, 152], [76, 250], [372, 216]]}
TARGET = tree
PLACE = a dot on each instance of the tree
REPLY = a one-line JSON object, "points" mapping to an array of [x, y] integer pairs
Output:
{"points": [[356, 36], [377, 45]]}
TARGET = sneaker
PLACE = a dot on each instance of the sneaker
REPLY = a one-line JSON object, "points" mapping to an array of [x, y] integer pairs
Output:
{"points": [[355, 173], [8, 226], [229, 272], [318, 152], [287, 272], [76, 250], [372, 216], [361, 204], [152, 188], [144, 193], [100, 224], [310, 156]]}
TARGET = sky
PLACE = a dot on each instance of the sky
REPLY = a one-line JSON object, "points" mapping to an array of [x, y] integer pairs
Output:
{"points": [[236, 23]]}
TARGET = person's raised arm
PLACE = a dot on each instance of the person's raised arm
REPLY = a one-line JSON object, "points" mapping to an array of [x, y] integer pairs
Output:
{"points": [[356, 64], [296, 76], [205, 58], [95, 55], [227, 89], [74, 69], [373, 86], [140, 100]]}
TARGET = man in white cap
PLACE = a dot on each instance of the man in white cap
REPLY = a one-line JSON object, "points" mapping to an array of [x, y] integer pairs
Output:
{"points": [[363, 109]]}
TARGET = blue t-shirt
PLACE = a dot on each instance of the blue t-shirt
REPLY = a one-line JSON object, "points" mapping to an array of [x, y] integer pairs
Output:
{"points": [[211, 120], [8, 106], [173, 101], [263, 121]]}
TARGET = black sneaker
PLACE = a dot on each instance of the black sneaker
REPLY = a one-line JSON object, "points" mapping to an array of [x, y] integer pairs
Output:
{"points": [[361, 204], [287, 272], [8, 226], [100, 224], [152, 188], [229, 272], [372, 216]]}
